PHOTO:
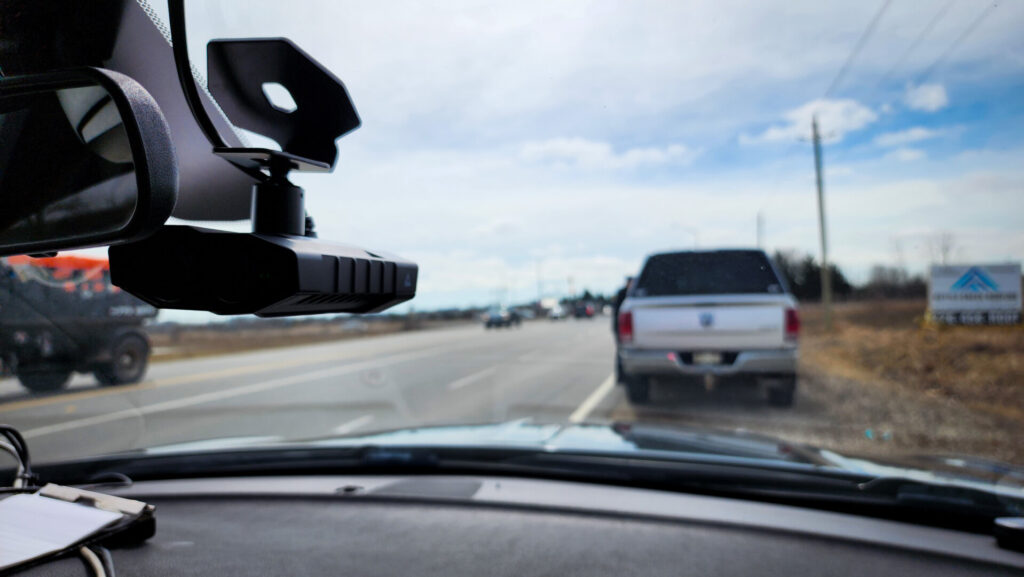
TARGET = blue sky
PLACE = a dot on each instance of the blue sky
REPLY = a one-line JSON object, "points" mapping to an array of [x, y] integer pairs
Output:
{"points": [[573, 138]]}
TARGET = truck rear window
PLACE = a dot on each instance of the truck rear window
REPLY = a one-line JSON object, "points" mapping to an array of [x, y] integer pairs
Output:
{"points": [[705, 273]]}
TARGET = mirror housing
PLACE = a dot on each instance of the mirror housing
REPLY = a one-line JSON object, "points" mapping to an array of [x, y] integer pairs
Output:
{"points": [[142, 126]]}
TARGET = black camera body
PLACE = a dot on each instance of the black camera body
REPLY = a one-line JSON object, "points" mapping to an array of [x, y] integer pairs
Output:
{"points": [[228, 273]]}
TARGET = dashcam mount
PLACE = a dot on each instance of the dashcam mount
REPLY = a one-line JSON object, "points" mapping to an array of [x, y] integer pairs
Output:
{"points": [[278, 269]]}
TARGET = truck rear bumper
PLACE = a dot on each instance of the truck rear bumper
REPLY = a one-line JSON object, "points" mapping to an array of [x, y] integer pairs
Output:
{"points": [[666, 362]]}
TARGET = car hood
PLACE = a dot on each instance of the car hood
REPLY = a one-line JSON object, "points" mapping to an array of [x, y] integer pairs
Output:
{"points": [[652, 441]]}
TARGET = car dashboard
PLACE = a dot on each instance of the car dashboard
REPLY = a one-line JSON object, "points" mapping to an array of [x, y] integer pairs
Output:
{"points": [[457, 525]]}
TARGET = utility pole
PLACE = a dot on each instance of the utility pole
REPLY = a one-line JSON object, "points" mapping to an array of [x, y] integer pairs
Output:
{"points": [[826, 278], [760, 229]]}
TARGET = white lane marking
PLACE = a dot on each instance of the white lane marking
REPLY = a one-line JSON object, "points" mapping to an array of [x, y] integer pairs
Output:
{"points": [[358, 422], [470, 379], [591, 402], [228, 393]]}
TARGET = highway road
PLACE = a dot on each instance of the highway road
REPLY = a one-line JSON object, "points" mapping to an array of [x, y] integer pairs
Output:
{"points": [[544, 371], [550, 372]]}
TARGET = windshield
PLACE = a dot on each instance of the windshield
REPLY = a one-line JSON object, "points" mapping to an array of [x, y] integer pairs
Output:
{"points": [[841, 184]]}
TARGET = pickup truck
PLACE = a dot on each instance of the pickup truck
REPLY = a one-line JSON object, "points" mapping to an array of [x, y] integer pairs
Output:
{"points": [[708, 316]]}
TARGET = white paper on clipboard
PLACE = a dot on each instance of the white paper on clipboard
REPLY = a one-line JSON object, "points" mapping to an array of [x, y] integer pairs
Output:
{"points": [[32, 526]]}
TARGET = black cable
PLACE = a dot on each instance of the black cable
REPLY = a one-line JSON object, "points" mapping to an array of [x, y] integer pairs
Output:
{"points": [[106, 559], [959, 40], [179, 46], [17, 441], [917, 41], [861, 42], [21, 447]]}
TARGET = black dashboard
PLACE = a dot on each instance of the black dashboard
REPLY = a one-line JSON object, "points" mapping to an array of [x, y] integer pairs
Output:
{"points": [[354, 525]]}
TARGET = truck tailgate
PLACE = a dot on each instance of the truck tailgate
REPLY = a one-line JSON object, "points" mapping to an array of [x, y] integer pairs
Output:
{"points": [[718, 323]]}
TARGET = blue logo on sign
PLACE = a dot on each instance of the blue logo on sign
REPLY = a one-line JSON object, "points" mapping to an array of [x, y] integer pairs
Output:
{"points": [[974, 280], [706, 320]]}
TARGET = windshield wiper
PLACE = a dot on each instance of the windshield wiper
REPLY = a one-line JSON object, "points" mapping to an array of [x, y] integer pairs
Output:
{"points": [[914, 492]]}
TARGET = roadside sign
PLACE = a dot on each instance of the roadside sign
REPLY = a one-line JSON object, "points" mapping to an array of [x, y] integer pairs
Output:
{"points": [[975, 294]]}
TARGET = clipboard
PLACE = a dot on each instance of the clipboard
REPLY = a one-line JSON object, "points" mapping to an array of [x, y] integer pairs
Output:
{"points": [[58, 520]]}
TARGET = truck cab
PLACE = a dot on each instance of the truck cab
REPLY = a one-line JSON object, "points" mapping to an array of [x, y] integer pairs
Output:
{"points": [[61, 315]]}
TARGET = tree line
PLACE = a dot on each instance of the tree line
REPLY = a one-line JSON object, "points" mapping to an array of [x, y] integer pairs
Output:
{"points": [[803, 275]]}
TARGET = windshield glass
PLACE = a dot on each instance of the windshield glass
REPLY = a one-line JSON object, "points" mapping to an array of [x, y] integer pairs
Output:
{"points": [[531, 158]]}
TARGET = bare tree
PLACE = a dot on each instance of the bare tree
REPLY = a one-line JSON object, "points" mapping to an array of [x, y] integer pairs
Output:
{"points": [[941, 247], [900, 259]]}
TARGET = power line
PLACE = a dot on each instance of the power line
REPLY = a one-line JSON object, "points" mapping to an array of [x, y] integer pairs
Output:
{"points": [[917, 41], [959, 40], [861, 42]]}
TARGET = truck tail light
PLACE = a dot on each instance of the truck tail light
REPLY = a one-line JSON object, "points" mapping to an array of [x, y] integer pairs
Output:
{"points": [[626, 327], [792, 325]]}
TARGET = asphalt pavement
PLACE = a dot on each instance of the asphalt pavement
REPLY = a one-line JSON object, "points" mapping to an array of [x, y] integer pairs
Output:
{"points": [[546, 371]]}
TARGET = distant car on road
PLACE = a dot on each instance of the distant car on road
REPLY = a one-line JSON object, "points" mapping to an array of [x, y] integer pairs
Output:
{"points": [[557, 313], [711, 315], [501, 317], [583, 311]]}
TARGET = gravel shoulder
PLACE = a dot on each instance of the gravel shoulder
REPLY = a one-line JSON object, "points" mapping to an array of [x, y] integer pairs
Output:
{"points": [[851, 398]]}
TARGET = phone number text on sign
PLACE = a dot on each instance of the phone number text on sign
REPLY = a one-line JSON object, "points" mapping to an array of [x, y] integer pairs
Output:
{"points": [[976, 318]]}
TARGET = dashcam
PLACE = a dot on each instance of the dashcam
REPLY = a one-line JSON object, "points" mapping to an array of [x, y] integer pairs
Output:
{"points": [[230, 273]]}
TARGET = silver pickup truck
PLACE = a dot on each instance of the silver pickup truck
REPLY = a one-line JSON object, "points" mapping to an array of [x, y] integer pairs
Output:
{"points": [[709, 315]]}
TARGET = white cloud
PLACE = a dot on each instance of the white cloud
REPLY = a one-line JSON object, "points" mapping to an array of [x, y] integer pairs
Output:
{"points": [[537, 69], [836, 118], [906, 154], [591, 154], [926, 97], [904, 137]]}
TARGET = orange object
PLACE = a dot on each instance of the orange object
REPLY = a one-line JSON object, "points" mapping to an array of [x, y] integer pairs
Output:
{"points": [[62, 262]]}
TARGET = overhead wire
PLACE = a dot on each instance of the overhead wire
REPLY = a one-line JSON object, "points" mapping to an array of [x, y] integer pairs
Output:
{"points": [[939, 15], [857, 48], [957, 42]]}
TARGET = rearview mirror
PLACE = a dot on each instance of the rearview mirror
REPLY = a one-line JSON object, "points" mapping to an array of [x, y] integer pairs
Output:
{"points": [[85, 160]]}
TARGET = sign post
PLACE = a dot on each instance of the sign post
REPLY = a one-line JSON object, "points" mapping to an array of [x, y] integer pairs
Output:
{"points": [[975, 294]]}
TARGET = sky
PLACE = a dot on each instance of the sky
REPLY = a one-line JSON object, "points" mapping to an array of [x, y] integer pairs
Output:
{"points": [[538, 146]]}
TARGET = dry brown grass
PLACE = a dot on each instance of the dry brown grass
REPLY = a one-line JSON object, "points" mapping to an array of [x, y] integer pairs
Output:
{"points": [[889, 344]]}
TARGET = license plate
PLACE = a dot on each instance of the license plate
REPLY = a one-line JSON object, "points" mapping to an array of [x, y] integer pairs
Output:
{"points": [[707, 358]]}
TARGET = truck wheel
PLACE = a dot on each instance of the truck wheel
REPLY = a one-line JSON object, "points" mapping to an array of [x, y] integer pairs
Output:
{"points": [[130, 359], [44, 380], [638, 390], [782, 395]]}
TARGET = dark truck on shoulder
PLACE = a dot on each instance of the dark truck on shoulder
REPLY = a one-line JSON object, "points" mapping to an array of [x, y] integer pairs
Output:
{"points": [[709, 315], [60, 315]]}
